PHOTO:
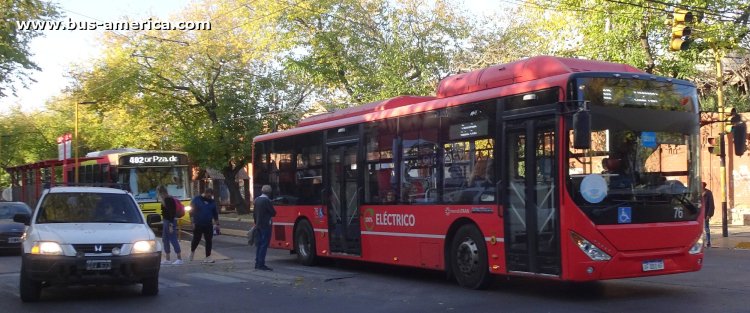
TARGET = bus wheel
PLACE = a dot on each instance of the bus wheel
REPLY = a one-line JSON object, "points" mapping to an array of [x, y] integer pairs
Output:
{"points": [[469, 258], [304, 243]]}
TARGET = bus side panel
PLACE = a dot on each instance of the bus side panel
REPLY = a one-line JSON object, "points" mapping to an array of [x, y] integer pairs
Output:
{"points": [[286, 217], [414, 235], [493, 229]]}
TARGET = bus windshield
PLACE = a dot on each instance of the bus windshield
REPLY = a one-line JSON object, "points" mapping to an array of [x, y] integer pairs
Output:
{"points": [[142, 182], [642, 166]]}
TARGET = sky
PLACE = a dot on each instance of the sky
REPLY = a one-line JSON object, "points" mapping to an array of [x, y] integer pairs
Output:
{"points": [[57, 50]]}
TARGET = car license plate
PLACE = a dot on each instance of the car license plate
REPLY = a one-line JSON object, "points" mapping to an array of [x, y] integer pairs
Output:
{"points": [[98, 265], [653, 265], [14, 239]]}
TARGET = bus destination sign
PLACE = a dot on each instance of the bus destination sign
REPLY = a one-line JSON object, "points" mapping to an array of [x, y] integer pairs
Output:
{"points": [[152, 159], [468, 130]]}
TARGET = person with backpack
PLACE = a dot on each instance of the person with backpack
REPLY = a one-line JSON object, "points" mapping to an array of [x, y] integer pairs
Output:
{"points": [[169, 229], [204, 215]]}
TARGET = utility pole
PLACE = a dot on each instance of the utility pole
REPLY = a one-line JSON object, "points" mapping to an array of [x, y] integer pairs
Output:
{"points": [[718, 55]]}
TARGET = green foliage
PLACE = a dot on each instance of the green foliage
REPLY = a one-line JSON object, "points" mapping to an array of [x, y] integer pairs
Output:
{"points": [[15, 61], [362, 51]]}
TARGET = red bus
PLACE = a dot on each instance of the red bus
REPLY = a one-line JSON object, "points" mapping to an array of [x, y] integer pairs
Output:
{"points": [[138, 171], [567, 169]]}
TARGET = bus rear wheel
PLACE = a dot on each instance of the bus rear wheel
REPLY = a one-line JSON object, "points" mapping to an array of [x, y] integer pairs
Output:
{"points": [[469, 258], [304, 243]]}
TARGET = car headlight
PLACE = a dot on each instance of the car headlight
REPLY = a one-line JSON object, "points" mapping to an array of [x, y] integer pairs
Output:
{"points": [[46, 248], [144, 246], [188, 208], [697, 246], [591, 250]]}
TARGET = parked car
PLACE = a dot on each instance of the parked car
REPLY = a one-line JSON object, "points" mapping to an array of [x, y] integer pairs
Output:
{"points": [[88, 235], [10, 231]]}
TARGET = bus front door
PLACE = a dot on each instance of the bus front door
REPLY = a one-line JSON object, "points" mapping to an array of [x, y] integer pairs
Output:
{"points": [[343, 199], [531, 210]]}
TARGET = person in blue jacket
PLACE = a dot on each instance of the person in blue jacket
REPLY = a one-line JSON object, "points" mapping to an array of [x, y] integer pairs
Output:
{"points": [[203, 215]]}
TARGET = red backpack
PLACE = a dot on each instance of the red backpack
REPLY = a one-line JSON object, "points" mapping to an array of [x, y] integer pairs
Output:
{"points": [[179, 208]]}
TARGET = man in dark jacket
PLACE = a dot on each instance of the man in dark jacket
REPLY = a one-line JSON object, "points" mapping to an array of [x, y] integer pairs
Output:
{"points": [[263, 212], [204, 216], [708, 204]]}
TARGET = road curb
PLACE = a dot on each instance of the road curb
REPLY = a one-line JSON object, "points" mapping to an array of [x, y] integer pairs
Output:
{"points": [[743, 245]]}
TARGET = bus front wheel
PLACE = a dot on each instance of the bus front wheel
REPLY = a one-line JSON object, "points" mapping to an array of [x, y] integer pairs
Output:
{"points": [[469, 258], [304, 243]]}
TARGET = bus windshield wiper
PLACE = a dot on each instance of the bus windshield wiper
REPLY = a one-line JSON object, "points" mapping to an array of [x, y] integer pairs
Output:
{"points": [[682, 198]]}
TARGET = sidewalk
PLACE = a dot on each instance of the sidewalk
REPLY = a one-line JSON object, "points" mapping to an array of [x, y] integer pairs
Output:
{"points": [[739, 237]]}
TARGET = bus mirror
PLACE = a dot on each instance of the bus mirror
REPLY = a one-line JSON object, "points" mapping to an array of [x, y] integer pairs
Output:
{"points": [[582, 129], [739, 135]]}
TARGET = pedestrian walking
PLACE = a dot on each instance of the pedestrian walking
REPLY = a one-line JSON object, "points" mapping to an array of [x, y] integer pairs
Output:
{"points": [[169, 226], [204, 216], [708, 203], [262, 213]]}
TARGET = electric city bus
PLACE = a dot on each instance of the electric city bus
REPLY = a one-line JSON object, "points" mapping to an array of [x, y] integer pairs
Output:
{"points": [[566, 169]]}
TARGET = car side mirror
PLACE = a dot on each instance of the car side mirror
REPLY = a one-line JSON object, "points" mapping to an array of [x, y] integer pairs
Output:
{"points": [[22, 218], [153, 219]]}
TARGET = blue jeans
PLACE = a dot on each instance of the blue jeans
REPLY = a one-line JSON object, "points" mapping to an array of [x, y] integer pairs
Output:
{"points": [[708, 234], [169, 236], [262, 248]]}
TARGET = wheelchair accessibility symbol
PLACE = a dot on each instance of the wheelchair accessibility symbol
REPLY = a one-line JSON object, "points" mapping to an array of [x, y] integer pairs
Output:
{"points": [[623, 215]]}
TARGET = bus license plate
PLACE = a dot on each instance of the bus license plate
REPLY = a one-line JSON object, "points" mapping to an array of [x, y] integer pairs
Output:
{"points": [[653, 265], [14, 239], [98, 265]]}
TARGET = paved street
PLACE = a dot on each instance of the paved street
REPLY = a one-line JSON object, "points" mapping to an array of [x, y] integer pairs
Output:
{"points": [[231, 285]]}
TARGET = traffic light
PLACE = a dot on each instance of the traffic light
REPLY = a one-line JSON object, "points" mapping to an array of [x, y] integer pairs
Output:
{"points": [[734, 124], [680, 31], [739, 134]]}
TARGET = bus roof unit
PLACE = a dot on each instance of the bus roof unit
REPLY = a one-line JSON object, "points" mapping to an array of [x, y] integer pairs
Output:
{"points": [[376, 106], [522, 71]]}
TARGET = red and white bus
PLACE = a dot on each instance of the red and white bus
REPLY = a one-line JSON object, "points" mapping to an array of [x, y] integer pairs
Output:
{"points": [[561, 168]]}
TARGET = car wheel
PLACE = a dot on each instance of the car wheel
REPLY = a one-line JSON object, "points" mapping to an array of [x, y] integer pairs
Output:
{"points": [[469, 258], [304, 243], [150, 286], [30, 290]]}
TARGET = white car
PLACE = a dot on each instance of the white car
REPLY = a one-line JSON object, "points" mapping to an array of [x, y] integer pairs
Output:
{"points": [[88, 235]]}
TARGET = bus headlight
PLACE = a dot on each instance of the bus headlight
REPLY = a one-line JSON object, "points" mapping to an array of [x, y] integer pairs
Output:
{"points": [[697, 246], [144, 246], [46, 248], [592, 251]]}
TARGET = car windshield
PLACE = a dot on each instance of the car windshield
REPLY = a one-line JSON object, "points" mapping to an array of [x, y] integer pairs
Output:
{"points": [[8, 210], [85, 207]]}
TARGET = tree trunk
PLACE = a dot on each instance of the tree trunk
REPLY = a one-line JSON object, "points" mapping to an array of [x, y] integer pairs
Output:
{"points": [[235, 194]]}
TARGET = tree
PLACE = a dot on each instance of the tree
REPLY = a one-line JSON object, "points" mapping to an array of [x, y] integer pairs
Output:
{"points": [[211, 91], [360, 51], [15, 57]]}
